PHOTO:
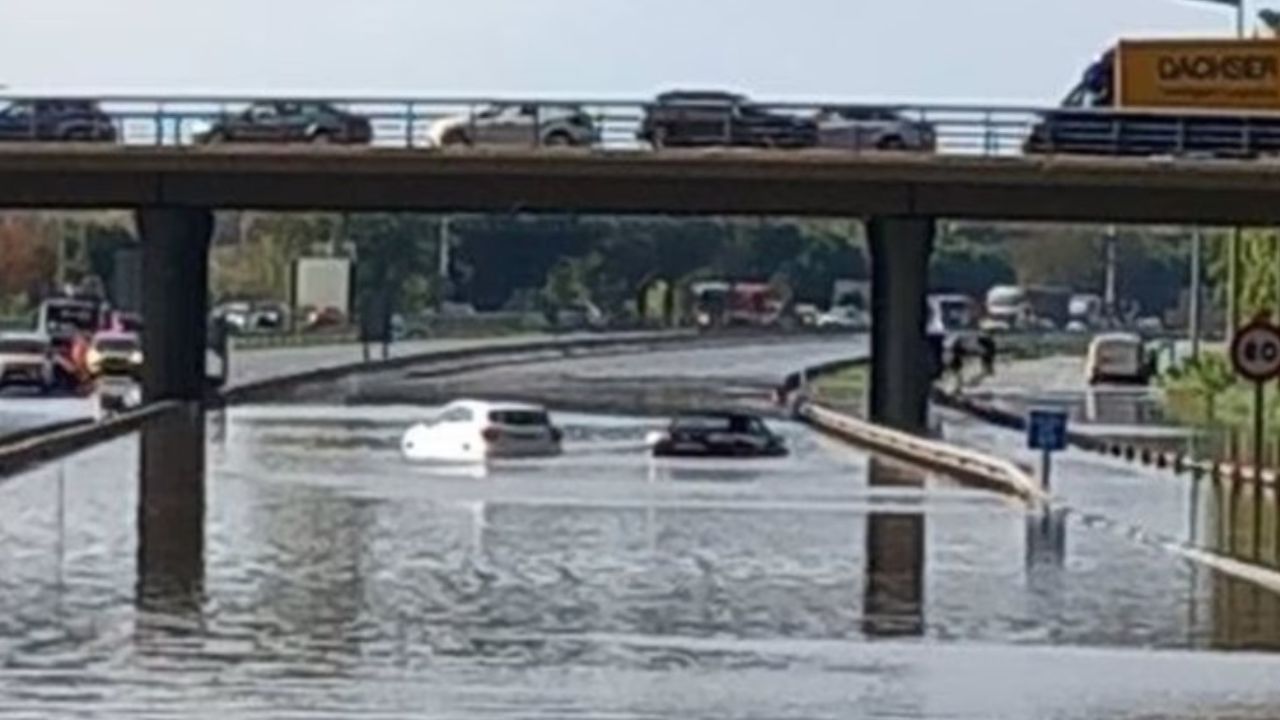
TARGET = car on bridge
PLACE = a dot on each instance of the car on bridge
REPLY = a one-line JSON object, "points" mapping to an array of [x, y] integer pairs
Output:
{"points": [[525, 124], [284, 121], [26, 360], [873, 128], [55, 120], [722, 119], [717, 435]]}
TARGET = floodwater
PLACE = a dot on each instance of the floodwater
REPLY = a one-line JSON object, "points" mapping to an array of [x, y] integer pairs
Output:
{"points": [[334, 579]]}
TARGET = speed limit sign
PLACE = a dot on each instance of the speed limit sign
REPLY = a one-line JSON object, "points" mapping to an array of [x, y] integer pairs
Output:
{"points": [[1255, 351]]}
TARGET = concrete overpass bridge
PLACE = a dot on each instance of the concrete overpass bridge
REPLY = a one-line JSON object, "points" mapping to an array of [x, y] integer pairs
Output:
{"points": [[974, 168]]}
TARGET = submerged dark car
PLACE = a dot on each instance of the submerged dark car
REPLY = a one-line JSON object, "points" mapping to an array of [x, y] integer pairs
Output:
{"points": [[281, 121], [718, 435]]}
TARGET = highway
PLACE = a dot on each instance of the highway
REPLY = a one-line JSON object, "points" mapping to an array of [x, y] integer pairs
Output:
{"points": [[22, 410], [341, 579]]}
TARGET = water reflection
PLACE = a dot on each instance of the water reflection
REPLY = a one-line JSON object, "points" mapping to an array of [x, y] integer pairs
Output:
{"points": [[171, 510], [893, 596]]}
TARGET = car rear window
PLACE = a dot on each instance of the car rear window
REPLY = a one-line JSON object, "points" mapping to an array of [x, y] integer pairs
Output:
{"points": [[22, 347], [703, 423], [518, 418]]}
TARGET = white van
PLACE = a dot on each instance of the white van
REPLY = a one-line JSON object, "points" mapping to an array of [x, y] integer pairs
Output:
{"points": [[1117, 358]]}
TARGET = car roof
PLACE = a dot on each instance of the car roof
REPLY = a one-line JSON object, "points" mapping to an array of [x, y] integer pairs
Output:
{"points": [[484, 406], [1125, 337], [701, 95], [718, 415]]}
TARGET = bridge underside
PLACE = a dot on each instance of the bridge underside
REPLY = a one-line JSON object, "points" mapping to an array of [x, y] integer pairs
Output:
{"points": [[711, 182]]}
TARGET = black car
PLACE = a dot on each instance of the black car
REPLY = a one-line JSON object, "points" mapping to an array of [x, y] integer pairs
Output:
{"points": [[290, 122], [54, 120], [718, 435], [719, 119]]}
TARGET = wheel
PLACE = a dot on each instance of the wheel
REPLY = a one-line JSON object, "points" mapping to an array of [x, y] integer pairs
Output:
{"points": [[216, 137], [558, 139], [658, 137], [322, 137], [456, 138], [891, 143]]}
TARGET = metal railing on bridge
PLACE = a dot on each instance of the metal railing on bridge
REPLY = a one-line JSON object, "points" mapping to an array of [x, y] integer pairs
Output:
{"points": [[629, 125]]}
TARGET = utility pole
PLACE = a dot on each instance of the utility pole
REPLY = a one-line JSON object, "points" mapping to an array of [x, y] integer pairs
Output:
{"points": [[1193, 309], [1233, 241], [1109, 293], [446, 240]]}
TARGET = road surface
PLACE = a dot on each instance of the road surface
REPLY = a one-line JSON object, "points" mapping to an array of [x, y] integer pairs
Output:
{"points": [[342, 581]]}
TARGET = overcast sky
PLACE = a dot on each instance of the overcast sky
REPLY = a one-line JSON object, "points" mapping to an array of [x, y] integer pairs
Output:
{"points": [[1006, 50]]}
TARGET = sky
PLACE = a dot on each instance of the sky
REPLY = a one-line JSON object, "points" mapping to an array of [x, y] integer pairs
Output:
{"points": [[1010, 51]]}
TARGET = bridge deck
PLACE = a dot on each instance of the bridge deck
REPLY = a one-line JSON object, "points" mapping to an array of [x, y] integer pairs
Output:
{"points": [[828, 183]]}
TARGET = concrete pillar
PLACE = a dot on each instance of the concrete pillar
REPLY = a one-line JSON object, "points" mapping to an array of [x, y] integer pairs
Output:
{"points": [[175, 278], [175, 304], [901, 367], [893, 595], [171, 512]]}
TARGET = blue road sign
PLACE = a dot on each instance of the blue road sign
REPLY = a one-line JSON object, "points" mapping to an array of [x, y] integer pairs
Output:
{"points": [[1047, 430]]}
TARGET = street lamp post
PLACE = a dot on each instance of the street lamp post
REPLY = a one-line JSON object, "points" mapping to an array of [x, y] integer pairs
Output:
{"points": [[1233, 241]]}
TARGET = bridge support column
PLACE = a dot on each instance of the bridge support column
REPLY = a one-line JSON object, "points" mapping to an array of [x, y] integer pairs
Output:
{"points": [[175, 300], [175, 279], [901, 366]]}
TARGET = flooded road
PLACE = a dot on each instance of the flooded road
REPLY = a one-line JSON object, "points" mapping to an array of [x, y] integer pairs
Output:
{"points": [[340, 581]]}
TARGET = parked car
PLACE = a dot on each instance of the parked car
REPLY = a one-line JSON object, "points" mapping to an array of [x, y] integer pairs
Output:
{"points": [[721, 119], [115, 354], [280, 121], [1118, 358], [516, 124], [844, 317], [26, 360], [54, 120], [873, 128], [469, 431], [717, 435]]}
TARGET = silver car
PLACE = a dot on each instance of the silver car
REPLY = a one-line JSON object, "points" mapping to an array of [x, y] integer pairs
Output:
{"points": [[873, 128], [26, 359], [525, 124]]}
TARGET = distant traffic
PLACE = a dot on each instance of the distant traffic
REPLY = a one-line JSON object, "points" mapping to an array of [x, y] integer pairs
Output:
{"points": [[1142, 98]]}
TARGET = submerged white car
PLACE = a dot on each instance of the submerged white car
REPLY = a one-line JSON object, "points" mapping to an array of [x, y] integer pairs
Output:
{"points": [[471, 431]]}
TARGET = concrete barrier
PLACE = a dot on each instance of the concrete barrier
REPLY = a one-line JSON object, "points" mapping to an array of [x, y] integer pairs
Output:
{"points": [[47, 446], [961, 463], [268, 387]]}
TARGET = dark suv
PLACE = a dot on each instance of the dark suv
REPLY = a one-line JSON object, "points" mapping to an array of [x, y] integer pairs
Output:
{"points": [[720, 119], [54, 120], [287, 121]]}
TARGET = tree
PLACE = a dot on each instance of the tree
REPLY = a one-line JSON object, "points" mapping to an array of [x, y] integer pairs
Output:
{"points": [[29, 259]]}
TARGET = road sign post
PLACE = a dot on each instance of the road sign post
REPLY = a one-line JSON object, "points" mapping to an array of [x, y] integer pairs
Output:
{"points": [[1255, 353], [1047, 432]]}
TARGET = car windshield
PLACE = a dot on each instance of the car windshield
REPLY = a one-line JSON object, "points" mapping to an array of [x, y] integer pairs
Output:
{"points": [[22, 346], [519, 418]]}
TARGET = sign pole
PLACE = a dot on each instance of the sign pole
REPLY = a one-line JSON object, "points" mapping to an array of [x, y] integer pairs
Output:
{"points": [[1259, 427], [1046, 469]]}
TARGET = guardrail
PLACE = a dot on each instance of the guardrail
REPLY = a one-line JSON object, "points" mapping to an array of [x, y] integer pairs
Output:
{"points": [[969, 465], [610, 124], [46, 445]]}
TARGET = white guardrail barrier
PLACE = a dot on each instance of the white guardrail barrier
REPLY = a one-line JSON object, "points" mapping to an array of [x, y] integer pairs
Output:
{"points": [[968, 465]]}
